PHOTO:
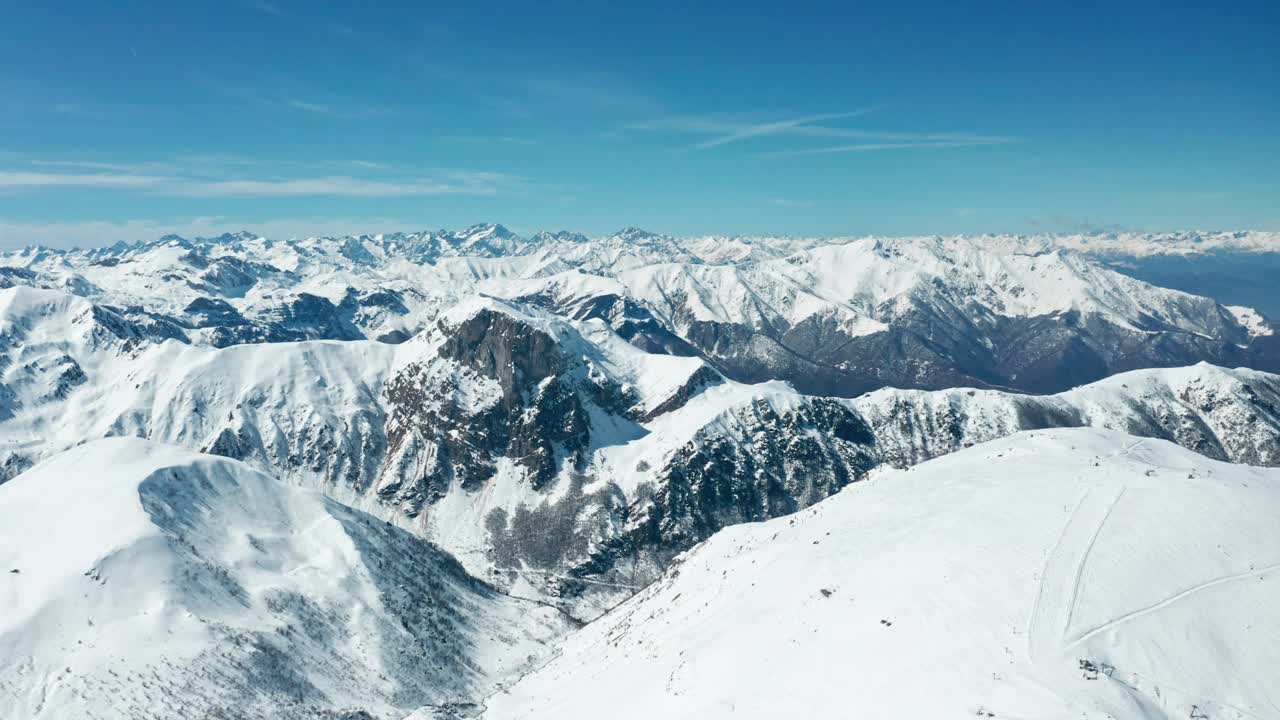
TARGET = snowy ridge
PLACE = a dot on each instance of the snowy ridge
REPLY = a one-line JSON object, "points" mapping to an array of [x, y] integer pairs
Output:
{"points": [[1066, 573], [863, 277], [714, 413], [146, 581], [1231, 415]]}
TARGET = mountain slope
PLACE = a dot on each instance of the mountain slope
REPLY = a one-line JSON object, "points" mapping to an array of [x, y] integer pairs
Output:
{"points": [[145, 581], [1067, 573]]}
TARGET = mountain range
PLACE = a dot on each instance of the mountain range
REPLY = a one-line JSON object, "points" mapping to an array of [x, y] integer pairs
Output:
{"points": [[830, 316], [487, 440]]}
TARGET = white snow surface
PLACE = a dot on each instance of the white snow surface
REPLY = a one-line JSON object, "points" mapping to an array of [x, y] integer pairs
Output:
{"points": [[1251, 319], [1075, 573], [141, 580]]}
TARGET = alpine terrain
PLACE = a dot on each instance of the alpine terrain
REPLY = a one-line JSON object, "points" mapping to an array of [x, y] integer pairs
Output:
{"points": [[890, 361], [479, 474]]}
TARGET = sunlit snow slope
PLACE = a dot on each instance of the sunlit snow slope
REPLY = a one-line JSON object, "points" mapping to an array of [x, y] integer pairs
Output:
{"points": [[1055, 574], [145, 581]]}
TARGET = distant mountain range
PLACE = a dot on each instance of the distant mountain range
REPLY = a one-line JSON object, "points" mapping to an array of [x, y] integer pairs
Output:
{"points": [[832, 317]]}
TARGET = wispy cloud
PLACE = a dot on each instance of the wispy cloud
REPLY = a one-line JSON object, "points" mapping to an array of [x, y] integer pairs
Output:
{"points": [[310, 107], [22, 179], [342, 186], [572, 87], [791, 203], [201, 166], [773, 128], [726, 130], [488, 139], [85, 165], [874, 147], [347, 110], [283, 92], [513, 86], [267, 8], [448, 183]]}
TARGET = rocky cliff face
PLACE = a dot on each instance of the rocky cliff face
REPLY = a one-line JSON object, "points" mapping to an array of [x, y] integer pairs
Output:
{"points": [[503, 399], [495, 388], [754, 462]]}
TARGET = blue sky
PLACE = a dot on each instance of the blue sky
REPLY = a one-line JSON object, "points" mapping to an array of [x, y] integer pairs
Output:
{"points": [[130, 119]]}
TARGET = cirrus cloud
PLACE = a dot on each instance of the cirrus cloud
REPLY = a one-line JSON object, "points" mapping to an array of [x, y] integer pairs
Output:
{"points": [[101, 180], [449, 183]]}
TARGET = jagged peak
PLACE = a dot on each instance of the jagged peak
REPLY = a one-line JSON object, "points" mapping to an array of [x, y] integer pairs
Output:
{"points": [[480, 230], [635, 234]]}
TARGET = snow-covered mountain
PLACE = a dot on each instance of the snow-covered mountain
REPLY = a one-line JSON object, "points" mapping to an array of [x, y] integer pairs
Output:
{"points": [[1066, 573], [555, 415], [552, 457], [1182, 242], [844, 319], [831, 316], [147, 581]]}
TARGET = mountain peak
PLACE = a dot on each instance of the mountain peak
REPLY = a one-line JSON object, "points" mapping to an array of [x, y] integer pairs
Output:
{"points": [[483, 230], [634, 234]]}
